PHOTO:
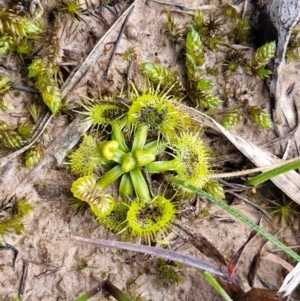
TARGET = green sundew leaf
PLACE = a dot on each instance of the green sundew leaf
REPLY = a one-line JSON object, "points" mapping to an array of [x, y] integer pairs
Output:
{"points": [[238, 215], [272, 173]]}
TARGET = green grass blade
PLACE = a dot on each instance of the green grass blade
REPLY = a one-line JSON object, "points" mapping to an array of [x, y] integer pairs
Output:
{"points": [[238, 215], [215, 284], [272, 173]]}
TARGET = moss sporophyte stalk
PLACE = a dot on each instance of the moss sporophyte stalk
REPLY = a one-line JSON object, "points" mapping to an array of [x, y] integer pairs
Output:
{"points": [[149, 135]]}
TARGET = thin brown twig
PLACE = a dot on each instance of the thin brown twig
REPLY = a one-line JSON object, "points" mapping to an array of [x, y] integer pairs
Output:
{"points": [[111, 59], [23, 278]]}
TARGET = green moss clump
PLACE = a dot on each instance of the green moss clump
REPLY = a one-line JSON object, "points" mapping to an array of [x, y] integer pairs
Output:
{"points": [[167, 274]]}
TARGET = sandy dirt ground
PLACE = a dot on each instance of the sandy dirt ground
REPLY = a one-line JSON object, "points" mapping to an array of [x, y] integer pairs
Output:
{"points": [[60, 269]]}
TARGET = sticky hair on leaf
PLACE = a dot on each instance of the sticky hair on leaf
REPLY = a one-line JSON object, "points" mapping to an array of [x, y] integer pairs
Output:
{"points": [[114, 222], [146, 219], [102, 112], [86, 158], [194, 158], [157, 111], [215, 189]]}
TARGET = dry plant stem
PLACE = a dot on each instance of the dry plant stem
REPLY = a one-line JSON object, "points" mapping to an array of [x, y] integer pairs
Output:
{"points": [[15, 252], [92, 292], [118, 41], [23, 279], [250, 171], [162, 253], [277, 259], [263, 211], [184, 8]]}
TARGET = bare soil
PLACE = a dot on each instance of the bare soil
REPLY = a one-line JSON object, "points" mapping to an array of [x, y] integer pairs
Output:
{"points": [[58, 268]]}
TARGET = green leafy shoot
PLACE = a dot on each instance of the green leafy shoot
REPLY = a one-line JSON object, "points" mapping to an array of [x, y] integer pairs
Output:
{"points": [[71, 8], [167, 273], [15, 222], [5, 105], [4, 84], [284, 211], [173, 29], [215, 284], [265, 176]]}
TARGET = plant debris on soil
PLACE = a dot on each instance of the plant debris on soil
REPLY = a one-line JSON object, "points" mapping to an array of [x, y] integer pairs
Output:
{"points": [[96, 49]]}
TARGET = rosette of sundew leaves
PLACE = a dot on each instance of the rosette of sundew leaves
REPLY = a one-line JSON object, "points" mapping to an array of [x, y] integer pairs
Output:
{"points": [[139, 132], [144, 216]]}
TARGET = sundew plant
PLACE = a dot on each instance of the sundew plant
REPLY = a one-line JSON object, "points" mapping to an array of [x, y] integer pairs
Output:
{"points": [[147, 137], [129, 144]]}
